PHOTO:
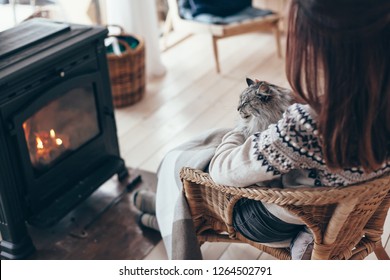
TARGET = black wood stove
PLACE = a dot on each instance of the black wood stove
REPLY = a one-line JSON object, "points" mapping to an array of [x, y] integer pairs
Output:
{"points": [[58, 140]]}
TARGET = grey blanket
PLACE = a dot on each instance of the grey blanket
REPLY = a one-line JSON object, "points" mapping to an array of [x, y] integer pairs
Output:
{"points": [[173, 214]]}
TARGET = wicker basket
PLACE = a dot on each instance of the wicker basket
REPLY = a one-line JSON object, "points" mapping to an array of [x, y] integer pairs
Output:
{"points": [[127, 72]]}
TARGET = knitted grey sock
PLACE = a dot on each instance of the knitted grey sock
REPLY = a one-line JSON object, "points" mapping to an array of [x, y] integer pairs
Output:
{"points": [[149, 221], [145, 201]]}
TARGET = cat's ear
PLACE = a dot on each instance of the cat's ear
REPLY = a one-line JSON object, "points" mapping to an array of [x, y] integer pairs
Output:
{"points": [[249, 81]]}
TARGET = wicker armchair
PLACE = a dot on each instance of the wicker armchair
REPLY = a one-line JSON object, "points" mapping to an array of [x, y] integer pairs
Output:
{"points": [[347, 222]]}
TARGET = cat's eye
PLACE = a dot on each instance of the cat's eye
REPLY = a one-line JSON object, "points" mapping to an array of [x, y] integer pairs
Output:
{"points": [[265, 98]]}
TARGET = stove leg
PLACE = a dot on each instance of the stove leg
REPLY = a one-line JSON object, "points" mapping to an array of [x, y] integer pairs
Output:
{"points": [[123, 173], [15, 241], [16, 250]]}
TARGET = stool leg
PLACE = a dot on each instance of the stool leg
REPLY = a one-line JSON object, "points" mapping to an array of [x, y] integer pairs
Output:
{"points": [[215, 50], [277, 38], [168, 26]]}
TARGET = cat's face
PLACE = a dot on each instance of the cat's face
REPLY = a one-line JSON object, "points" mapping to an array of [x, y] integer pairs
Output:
{"points": [[260, 99]]}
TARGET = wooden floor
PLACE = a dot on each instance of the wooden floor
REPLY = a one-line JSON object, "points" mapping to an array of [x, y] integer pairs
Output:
{"points": [[104, 227], [192, 98]]}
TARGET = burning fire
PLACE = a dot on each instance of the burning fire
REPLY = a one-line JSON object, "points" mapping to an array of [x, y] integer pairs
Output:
{"points": [[49, 142], [39, 143], [53, 136], [45, 145]]}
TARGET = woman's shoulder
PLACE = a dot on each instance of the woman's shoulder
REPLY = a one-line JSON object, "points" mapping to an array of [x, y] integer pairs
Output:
{"points": [[298, 130], [299, 141], [293, 143], [301, 115]]}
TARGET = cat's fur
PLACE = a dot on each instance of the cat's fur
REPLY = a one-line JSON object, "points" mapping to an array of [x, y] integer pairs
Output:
{"points": [[260, 105]]}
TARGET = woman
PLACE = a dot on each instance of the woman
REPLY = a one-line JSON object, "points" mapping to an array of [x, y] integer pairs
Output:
{"points": [[338, 62]]}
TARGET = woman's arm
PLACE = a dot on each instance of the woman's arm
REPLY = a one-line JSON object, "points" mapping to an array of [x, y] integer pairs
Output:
{"points": [[239, 162], [291, 143]]}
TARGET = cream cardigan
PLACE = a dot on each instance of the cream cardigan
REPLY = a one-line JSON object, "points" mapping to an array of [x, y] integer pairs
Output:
{"points": [[286, 154]]}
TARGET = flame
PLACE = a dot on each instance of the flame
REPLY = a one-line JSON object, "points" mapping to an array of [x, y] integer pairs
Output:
{"points": [[39, 143], [58, 141]]}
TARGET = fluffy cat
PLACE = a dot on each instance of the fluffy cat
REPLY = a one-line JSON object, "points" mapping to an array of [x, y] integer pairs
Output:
{"points": [[260, 105]]}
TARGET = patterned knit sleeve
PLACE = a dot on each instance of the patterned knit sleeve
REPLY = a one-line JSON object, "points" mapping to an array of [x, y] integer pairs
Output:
{"points": [[265, 156], [293, 142]]}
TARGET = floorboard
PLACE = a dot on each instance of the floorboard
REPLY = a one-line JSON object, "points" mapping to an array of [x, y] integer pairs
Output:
{"points": [[237, 251], [213, 251]]}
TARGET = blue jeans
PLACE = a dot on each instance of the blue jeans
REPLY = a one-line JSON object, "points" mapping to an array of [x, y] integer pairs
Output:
{"points": [[255, 222]]}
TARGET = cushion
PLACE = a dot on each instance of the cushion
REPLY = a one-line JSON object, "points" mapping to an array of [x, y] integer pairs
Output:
{"points": [[214, 11], [218, 7], [247, 14]]}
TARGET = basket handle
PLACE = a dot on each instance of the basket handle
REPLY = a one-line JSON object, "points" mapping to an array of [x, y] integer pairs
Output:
{"points": [[121, 29], [128, 49]]}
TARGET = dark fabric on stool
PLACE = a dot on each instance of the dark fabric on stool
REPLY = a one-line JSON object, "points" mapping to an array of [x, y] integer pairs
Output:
{"points": [[218, 7], [256, 223]]}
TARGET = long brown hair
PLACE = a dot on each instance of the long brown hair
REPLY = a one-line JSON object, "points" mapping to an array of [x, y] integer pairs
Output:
{"points": [[338, 61]]}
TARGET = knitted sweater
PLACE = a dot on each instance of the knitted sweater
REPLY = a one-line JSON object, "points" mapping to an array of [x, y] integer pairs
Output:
{"points": [[287, 153]]}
